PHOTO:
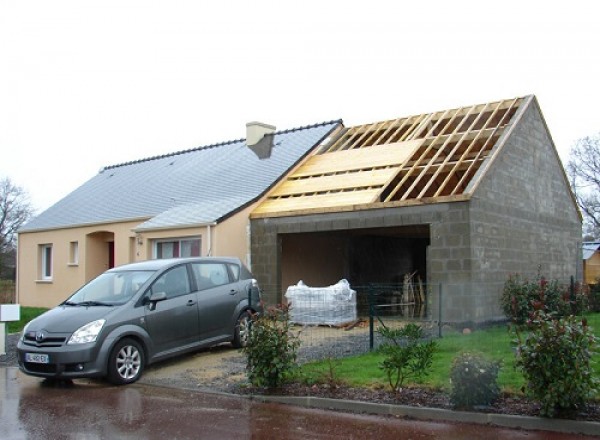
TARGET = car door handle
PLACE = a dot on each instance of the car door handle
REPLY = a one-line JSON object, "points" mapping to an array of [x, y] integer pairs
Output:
{"points": [[191, 302], [232, 292]]}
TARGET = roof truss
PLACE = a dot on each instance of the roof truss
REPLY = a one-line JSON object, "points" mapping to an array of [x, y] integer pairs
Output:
{"points": [[429, 157]]}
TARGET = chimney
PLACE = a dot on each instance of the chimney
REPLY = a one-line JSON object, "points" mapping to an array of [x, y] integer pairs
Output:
{"points": [[255, 131]]}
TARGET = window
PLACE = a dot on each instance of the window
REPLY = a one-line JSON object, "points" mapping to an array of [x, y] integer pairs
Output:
{"points": [[179, 247], [46, 261], [74, 253], [210, 275], [174, 282]]}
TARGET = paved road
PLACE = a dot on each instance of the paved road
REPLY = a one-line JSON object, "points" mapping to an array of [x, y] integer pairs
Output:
{"points": [[31, 409]]}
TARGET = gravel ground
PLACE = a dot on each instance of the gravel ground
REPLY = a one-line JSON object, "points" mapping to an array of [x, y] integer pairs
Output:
{"points": [[10, 358]]}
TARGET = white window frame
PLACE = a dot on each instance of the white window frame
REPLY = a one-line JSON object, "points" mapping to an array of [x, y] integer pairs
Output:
{"points": [[73, 253], [179, 240], [47, 265]]}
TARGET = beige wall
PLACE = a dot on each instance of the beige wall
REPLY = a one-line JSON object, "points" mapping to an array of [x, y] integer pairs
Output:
{"points": [[229, 238], [66, 277]]}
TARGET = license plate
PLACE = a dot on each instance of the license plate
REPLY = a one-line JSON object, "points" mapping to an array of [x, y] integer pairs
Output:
{"points": [[37, 358]]}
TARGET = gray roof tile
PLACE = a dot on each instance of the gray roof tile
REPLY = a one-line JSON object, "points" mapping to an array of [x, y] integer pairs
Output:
{"points": [[196, 186]]}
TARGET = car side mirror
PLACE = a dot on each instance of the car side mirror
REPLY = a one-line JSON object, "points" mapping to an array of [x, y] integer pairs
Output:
{"points": [[156, 297]]}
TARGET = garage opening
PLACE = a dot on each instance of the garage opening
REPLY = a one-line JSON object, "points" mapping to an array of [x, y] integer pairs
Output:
{"points": [[361, 256]]}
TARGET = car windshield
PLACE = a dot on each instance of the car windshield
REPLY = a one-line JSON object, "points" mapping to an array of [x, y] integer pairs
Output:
{"points": [[110, 288]]}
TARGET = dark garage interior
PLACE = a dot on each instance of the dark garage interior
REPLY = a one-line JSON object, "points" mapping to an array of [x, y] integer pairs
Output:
{"points": [[361, 256]]}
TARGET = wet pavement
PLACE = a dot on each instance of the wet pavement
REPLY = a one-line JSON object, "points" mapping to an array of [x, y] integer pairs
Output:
{"points": [[33, 409]]}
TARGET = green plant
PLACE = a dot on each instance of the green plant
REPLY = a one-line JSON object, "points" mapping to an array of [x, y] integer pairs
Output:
{"points": [[406, 354], [474, 380], [594, 296], [555, 358], [272, 348], [521, 297]]}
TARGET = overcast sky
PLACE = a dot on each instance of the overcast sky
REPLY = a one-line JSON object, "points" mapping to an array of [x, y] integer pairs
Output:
{"points": [[89, 84]]}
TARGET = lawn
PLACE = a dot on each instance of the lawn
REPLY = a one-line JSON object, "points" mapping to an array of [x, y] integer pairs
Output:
{"points": [[494, 343], [27, 314]]}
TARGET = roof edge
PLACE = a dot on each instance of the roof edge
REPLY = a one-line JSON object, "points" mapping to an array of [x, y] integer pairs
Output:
{"points": [[219, 144], [85, 225]]}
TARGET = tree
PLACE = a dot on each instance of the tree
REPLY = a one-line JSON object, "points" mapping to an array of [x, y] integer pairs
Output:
{"points": [[15, 210], [584, 173]]}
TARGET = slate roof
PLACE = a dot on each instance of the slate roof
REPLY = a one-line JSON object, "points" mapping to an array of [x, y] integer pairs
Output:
{"points": [[197, 186]]}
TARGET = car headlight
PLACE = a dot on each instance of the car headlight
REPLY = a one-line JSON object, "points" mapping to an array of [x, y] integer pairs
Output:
{"points": [[87, 333]]}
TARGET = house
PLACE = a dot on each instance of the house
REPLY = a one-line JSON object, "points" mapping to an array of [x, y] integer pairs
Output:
{"points": [[462, 198], [188, 203], [591, 262]]}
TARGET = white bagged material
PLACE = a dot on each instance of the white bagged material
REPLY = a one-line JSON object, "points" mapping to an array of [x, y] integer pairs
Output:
{"points": [[333, 305]]}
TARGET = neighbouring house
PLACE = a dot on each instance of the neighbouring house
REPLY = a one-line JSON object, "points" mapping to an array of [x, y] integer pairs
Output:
{"points": [[188, 203], [591, 262], [461, 198]]}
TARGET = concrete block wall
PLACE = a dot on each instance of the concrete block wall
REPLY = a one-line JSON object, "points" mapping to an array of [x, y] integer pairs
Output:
{"points": [[265, 245], [522, 216]]}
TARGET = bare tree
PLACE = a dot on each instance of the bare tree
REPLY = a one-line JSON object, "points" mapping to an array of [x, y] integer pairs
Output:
{"points": [[15, 210], [584, 173]]}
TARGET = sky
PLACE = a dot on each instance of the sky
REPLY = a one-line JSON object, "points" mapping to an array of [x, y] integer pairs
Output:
{"points": [[85, 84]]}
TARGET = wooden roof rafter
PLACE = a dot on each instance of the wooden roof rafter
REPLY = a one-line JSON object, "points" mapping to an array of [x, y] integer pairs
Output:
{"points": [[426, 158]]}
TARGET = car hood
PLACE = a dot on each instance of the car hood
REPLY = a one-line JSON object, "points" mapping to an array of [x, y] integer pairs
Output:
{"points": [[67, 319]]}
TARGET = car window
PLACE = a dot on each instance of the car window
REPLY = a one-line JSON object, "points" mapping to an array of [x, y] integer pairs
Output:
{"points": [[209, 275], [112, 287], [174, 283], [235, 271]]}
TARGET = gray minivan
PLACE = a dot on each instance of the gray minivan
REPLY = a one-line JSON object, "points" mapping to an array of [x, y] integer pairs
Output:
{"points": [[140, 313]]}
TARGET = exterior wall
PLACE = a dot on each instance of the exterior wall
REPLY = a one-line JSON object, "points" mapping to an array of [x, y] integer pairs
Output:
{"points": [[266, 238], [232, 237], [229, 238], [522, 217], [66, 277]]}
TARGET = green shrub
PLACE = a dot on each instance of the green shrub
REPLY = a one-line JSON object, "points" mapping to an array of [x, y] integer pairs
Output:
{"points": [[474, 380], [555, 358], [594, 296], [406, 354], [521, 297], [272, 348]]}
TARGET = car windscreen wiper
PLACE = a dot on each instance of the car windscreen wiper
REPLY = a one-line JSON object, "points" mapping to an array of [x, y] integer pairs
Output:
{"points": [[88, 303]]}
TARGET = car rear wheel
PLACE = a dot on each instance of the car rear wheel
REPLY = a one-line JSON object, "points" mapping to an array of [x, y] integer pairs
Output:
{"points": [[241, 332], [126, 362]]}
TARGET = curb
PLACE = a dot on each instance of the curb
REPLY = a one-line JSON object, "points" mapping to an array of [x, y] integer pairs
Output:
{"points": [[436, 414], [511, 421]]}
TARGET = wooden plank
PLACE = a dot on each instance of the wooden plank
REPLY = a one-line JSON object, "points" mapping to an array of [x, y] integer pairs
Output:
{"points": [[423, 155], [468, 173], [318, 201], [441, 153], [361, 158], [360, 179]]}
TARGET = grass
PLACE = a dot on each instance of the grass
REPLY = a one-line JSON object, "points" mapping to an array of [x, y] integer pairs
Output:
{"points": [[27, 314], [494, 342]]}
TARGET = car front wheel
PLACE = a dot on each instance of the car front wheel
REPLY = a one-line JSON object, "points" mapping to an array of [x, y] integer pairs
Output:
{"points": [[126, 362], [241, 332]]}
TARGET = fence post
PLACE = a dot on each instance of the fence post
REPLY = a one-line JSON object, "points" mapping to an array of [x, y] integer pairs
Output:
{"points": [[371, 321], [440, 311]]}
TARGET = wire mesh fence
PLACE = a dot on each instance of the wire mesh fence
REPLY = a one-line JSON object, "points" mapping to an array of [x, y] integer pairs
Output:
{"points": [[7, 292], [379, 305]]}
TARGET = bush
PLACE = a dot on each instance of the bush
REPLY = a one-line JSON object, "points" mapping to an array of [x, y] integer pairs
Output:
{"points": [[474, 380], [555, 357], [594, 296], [406, 354], [520, 298], [272, 348]]}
